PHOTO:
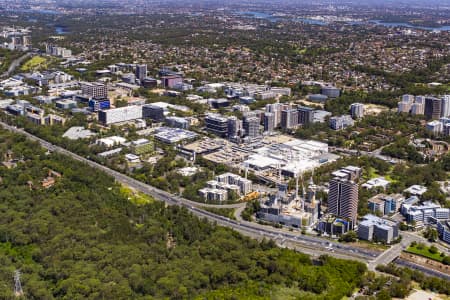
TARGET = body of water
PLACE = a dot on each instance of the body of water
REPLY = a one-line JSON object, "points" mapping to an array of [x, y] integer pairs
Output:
{"points": [[272, 18], [36, 11], [311, 21], [402, 24], [259, 15], [61, 30]]}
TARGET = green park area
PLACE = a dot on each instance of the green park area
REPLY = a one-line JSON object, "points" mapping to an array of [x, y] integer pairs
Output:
{"points": [[135, 197], [36, 62], [425, 251]]}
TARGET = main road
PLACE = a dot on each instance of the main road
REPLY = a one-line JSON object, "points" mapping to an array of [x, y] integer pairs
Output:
{"points": [[392, 253], [308, 244], [15, 63]]}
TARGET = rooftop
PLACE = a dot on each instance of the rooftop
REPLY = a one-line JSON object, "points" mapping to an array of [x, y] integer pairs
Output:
{"points": [[416, 190], [376, 182], [75, 133], [372, 220], [173, 135]]}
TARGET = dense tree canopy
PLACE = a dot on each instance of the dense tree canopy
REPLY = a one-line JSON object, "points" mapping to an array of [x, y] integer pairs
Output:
{"points": [[82, 239]]}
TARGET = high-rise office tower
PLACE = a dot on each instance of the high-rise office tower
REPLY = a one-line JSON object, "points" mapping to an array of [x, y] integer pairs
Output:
{"points": [[408, 98], [289, 118], [417, 109], [343, 196], [445, 111], [156, 113], [141, 72], [269, 121], [234, 127], [433, 108], [357, 110], [305, 115], [251, 126], [217, 124], [420, 99], [404, 107], [275, 110]]}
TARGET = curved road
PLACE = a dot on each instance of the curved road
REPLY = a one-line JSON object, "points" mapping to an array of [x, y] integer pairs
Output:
{"points": [[310, 245], [15, 64]]}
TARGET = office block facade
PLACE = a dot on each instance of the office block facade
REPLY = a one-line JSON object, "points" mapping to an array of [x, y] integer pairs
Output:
{"points": [[374, 228], [170, 81], [99, 104], [433, 108], [269, 122], [289, 118], [343, 198], [94, 89], [141, 72], [154, 112], [330, 91], [177, 122], [357, 110], [217, 124], [234, 127], [121, 114], [305, 115], [251, 126], [445, 112], [341, 122]]}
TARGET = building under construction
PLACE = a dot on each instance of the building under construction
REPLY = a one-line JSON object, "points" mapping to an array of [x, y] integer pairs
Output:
{"points": [[289, 209]]}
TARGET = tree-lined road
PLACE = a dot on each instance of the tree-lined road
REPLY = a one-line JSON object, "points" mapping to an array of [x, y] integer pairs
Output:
{"points": [[15, 63]]}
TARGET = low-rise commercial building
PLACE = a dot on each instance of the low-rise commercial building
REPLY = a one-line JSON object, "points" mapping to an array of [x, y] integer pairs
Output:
{"points": [[122, 114], [177, 122], [141, 146], [217, 124], [224, 186], [75, 133], [111, 141], [434, 127], [373, 228], [443, 228], [333, 225], [170, 81], [384, 204], [245, 185], [416, 190], [66, 104], [426, 213], [173, 135], [154, 112], [341, 122], [97, 104], [379, 182], [94, 89], [215, 195], [330, 91]]}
